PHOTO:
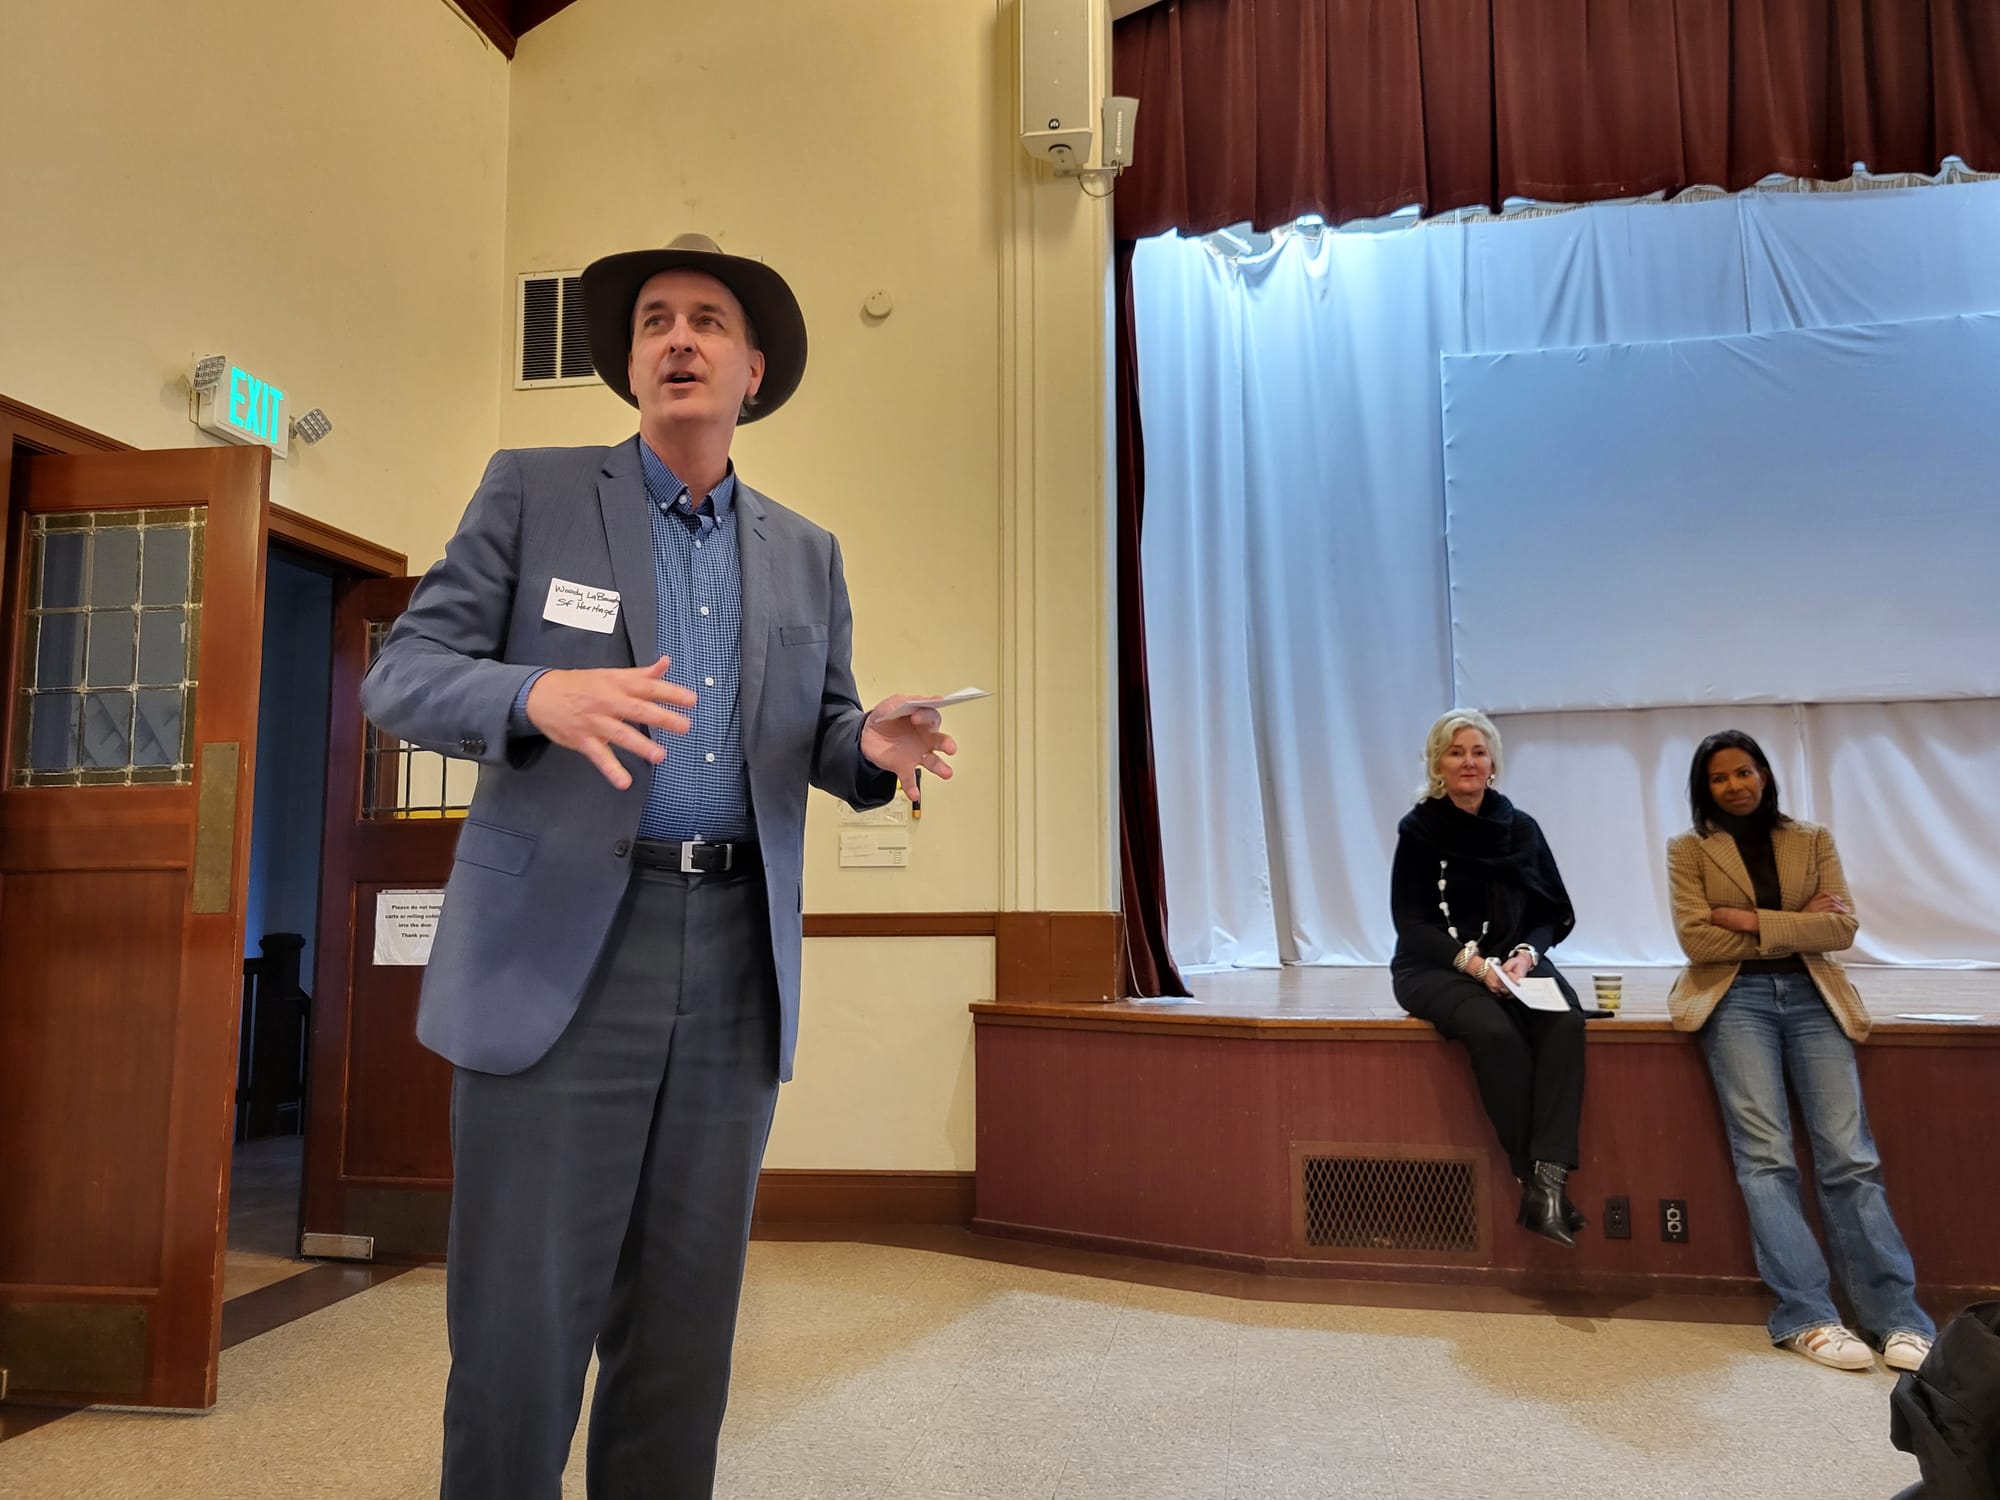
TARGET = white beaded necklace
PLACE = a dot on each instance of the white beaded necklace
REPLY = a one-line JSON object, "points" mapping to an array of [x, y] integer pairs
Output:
{"points": [[1445, 907]]}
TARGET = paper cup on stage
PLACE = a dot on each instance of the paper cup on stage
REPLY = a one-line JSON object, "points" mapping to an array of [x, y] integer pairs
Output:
{"points": [[1610, 990]]}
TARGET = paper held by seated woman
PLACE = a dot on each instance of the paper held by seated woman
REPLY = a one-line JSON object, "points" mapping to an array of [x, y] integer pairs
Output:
{"points": [[1536, 994]]}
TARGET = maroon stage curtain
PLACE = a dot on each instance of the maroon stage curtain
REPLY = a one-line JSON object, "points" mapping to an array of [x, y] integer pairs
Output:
{"points": [[1148, 966], [1263, 110]]}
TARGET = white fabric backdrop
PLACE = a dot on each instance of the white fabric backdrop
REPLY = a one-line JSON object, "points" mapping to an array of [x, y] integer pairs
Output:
{"points": [[1298, 599], [1602, 504]]}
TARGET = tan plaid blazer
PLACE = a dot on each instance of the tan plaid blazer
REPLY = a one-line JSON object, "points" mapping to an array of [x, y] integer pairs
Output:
{"points": [[1707, 872]]}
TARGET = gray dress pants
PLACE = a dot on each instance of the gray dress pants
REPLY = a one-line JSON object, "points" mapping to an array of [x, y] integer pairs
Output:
{"points": [[603, 1197]]}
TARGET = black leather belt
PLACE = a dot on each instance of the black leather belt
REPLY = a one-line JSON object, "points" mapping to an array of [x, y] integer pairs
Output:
{"points": [[693, 858]]}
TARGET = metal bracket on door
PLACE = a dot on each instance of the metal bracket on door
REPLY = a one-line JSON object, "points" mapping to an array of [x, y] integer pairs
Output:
{"points": [[215, 826], [337, 1246]]}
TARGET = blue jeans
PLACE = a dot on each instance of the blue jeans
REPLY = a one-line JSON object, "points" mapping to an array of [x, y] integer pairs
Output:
{"points": [[1767, 1027]]}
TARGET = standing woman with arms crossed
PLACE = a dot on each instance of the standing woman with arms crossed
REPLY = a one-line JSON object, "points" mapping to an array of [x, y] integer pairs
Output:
{"points": [[1760, 906]]}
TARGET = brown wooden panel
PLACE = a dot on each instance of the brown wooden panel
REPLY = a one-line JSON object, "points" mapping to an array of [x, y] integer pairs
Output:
{"points": [[407, 1221], [1935, 1114], [1057, 957], [806, 1196], [1178, 1139], [173, 1064], [89, 998], [398, 1121], [379, 1103], [1021, 957], [100, 828]]}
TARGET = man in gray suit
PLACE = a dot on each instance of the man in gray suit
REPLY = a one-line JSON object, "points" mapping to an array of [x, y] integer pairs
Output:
{"points": [[615, 975]]}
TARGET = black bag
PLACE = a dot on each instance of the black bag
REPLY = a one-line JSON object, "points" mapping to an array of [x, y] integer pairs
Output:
{"points": [[1947, 1413]]}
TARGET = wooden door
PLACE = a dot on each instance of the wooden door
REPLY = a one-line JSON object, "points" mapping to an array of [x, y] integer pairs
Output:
{"points": [[378, 1133], [134, 599]]}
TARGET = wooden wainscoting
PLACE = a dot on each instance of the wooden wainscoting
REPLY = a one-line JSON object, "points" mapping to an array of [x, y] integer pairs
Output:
{"points": [[1058, 957], [805, 1196]]}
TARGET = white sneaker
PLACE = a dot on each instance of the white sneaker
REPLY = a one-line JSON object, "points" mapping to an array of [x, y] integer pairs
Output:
{"points": [[1905, 1351], [1834, 1346]]}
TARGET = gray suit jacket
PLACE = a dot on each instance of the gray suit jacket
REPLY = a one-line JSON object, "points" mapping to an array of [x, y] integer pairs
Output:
{"points": [[544, 856]]}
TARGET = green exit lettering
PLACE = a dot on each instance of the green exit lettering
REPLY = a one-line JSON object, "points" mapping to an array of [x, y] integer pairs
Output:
{"points": [[254, 406]]}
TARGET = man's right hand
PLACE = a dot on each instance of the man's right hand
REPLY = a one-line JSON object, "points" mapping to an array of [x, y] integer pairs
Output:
{"points": [[594, 710]]}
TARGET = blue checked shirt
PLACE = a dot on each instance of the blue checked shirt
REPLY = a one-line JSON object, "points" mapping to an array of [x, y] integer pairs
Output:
{"points": [[702, 789]]}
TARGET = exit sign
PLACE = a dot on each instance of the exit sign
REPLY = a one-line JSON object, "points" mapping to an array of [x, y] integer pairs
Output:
{"points": [[245, 408]]}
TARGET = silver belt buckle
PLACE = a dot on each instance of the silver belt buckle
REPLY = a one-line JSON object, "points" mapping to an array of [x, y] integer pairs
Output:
{"points": [[687, 858]]}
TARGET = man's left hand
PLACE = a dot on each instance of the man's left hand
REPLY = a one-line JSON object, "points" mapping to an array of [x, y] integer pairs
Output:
{"points": [[903, 742]]}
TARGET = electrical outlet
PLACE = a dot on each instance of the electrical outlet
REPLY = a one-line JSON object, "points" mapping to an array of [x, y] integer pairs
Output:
{"points": [[1674, 1220], [1618, 1218]]}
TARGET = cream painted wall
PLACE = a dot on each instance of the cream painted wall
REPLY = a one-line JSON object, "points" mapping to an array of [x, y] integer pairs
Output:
{"points": [[318, 191], [768, 127], [957, 448]]}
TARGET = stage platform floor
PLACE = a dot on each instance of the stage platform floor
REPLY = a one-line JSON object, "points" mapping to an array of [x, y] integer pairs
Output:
{"points": [[1349, 994]]}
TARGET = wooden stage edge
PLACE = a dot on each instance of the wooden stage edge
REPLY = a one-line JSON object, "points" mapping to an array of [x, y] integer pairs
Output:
{"points": [[1296, 1124], [1327, 1001]]}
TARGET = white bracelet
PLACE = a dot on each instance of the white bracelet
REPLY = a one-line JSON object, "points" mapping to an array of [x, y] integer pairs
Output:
{"points": [[1534, 958]]}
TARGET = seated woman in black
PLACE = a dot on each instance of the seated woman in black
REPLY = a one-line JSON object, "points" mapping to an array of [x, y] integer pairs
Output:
{"points": [[1475, 890]]}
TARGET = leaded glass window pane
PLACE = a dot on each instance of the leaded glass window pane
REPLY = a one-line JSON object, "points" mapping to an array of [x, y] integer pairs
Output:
{"points": [[109, 658]]}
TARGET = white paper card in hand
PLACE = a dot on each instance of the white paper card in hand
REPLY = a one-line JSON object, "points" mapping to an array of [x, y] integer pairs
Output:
{"points": [[581, 605], [1541, 994], [1536, 994], [963, 695]]}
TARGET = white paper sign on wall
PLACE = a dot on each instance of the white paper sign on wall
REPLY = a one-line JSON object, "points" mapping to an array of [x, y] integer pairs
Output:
{"points": [[874, 848], [405, 924]]}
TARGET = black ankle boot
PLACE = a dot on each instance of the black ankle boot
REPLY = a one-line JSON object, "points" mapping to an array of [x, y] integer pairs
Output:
{"points": [[1542, 1203], [1573, 1221]]}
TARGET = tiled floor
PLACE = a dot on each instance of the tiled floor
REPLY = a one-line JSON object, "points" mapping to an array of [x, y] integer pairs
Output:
{"points": [[263, 1214]]}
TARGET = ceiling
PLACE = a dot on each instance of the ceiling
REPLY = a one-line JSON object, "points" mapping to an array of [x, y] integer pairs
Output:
{"points": [[505, 22]]}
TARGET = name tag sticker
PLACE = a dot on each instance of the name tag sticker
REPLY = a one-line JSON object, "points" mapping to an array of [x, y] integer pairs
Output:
{"points": [[581, 605]]}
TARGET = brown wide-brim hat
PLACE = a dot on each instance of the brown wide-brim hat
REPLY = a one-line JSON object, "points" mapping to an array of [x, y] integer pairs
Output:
{"points": [[611, 290]]}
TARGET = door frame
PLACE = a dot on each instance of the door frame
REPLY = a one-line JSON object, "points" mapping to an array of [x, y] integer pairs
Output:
{"points": [[27, 431], [24, 428]]}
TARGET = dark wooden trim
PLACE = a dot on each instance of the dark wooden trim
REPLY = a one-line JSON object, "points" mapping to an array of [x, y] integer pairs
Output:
{"points": [[1139, 1018], [493, 21], [793, 1196], [900, 924], [1059, 957], [528, 14], [52, 434], [355, 554], [24, 425], [505, 22]]}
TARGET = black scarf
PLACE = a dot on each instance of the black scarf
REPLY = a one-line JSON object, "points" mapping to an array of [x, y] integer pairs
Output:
{"points": [[1524, 888], [1746, 828]]}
